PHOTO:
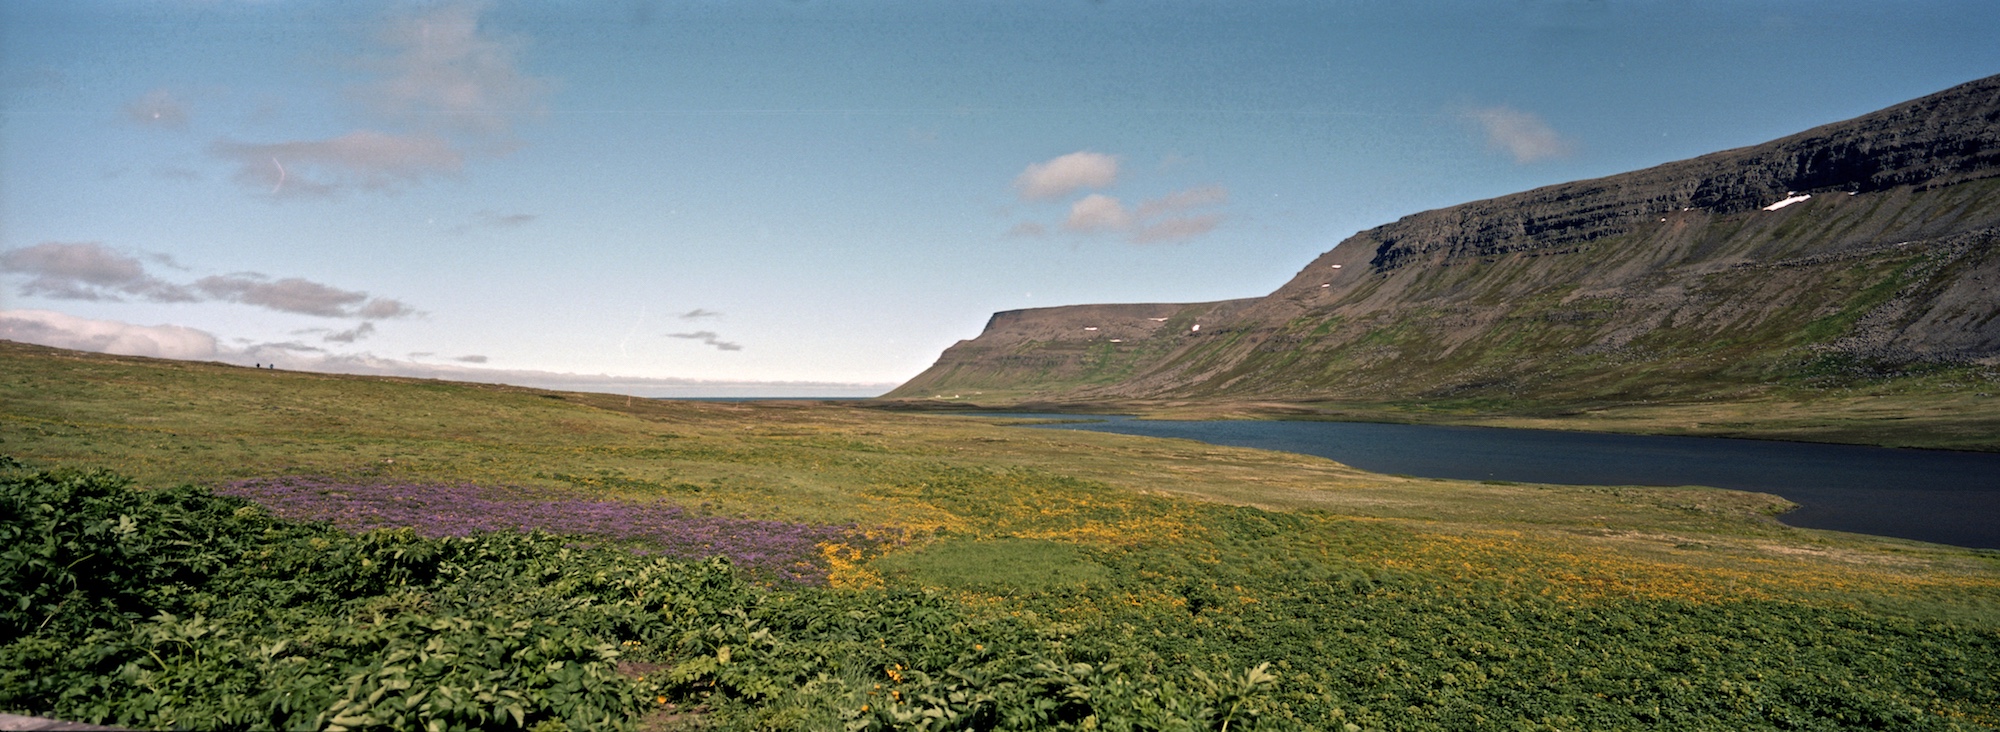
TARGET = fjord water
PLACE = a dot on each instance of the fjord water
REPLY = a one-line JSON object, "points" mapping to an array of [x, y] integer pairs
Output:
{"points": [[1937, 496]]}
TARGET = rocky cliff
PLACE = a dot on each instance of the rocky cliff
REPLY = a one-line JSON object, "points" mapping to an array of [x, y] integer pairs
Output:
{"points": [[1857, 250]]}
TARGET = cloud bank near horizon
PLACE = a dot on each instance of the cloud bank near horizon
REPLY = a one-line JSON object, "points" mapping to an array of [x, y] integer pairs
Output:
{"points": [[61, 330]]}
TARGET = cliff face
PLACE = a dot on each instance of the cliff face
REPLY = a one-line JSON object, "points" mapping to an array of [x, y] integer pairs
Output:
{"points": [[1938, 140], [1670, 282]]}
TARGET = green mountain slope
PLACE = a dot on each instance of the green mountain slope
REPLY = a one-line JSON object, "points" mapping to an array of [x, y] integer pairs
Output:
{"points": [[1671, 284]]}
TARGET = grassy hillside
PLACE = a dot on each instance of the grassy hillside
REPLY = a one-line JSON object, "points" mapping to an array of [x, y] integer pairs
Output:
{"points": [[1822, 321], [955, 574], [1697, 310], [1670, 299]]}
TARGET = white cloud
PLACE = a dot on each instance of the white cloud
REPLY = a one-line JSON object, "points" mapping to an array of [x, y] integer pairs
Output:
{"points": [[1161, 219], [158, 108], [87, 271], [700, 313], [296, 295], [61, 330], [1097, 213], [383, 307], [92, 271], [1166, 218], [1065, 175], [475, 358], [1523, 135]]}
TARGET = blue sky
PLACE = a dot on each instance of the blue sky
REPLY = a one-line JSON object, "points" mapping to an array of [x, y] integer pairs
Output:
{"points": [[701, 198]]}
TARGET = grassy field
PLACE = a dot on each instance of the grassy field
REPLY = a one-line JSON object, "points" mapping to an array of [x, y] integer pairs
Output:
{"points": [[968, 574]]}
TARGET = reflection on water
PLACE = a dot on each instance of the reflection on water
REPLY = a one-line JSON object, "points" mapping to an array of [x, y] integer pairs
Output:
{"points": [[1929, 495]]}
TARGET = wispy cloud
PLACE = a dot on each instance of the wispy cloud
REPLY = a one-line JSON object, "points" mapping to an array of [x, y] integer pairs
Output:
{"points": [[1176, 228], [92, 271], [1164, 219], [363, 159], [494, 220], [351, 334], [158, 108], [268, 351], [699, 313], [1059, 177], [1183, 200], [1097, 213], [175, 172], [445, 87], [301, 296], [1028, 229], [163, 259], [1523, 135], [1168, 218], [708, 337], [471, 359], [506, 221], [442, 71]]}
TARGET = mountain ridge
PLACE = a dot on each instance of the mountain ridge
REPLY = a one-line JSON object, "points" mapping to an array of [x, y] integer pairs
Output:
{"points": [[1676, 282]]}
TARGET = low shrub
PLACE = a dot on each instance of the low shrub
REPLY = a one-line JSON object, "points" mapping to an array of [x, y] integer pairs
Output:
{"points": [[178, 608]]}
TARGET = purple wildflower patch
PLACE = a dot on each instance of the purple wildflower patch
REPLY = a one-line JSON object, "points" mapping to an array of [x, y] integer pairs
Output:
{"points": [[780, 549]]}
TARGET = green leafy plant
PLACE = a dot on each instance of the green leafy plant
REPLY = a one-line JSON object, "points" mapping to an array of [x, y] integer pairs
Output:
{"points": [[178, 608]]}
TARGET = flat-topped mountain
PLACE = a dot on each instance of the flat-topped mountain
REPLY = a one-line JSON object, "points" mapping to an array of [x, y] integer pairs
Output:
{"points": [[1855, 251]]}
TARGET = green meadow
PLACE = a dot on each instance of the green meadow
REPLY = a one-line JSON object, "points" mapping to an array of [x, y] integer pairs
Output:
{"points": [[984, 576]]}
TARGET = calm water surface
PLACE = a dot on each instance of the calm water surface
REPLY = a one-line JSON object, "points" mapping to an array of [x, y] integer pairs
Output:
{"points": [[1929, 495]]}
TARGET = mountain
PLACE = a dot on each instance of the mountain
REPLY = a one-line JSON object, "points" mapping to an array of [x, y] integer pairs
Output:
{"points": [[1857, 253]]}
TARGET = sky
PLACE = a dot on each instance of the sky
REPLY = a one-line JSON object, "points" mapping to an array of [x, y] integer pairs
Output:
{"points": [[814, 198]]}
